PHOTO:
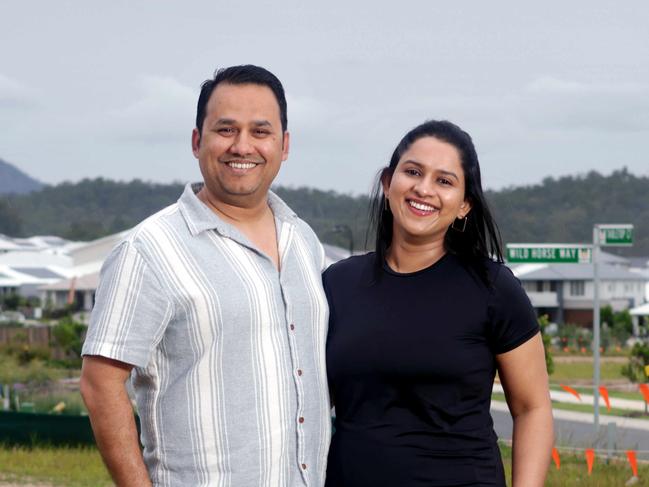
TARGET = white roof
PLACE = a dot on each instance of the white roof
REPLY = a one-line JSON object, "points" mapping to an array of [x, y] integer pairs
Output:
{"points": [[10, 277], [642, 310], [43, 258]]}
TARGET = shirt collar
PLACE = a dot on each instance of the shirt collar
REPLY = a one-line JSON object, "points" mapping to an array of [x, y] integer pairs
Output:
{"points": [[199, 217]]}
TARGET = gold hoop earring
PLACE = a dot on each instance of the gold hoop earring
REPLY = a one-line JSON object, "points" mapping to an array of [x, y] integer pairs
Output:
{"points": [[457, 228]]}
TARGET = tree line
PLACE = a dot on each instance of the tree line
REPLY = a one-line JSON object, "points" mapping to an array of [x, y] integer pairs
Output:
{"points": [[556, 210]]}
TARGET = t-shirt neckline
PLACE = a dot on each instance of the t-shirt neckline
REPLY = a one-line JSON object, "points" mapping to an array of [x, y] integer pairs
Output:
{"points": [[387, 269]]}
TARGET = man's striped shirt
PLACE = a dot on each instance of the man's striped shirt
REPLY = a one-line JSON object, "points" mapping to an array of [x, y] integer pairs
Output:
{"points": [[229, 374]]}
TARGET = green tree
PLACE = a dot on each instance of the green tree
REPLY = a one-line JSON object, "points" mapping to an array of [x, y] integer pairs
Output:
{"points": [[10, 222], [634, 370], [549, 362], [606, 315], [12, 301], [68, 335]]}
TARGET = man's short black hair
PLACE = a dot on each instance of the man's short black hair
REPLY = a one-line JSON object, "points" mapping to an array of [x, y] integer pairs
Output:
{"points": [[241, 75]]}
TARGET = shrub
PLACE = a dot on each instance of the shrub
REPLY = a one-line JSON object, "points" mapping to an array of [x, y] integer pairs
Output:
{"points": [[68, 334], [549, 362], [634, 370]]}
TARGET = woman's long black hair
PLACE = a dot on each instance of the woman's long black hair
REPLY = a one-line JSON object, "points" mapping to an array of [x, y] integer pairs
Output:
{"points": [[480, 239]]}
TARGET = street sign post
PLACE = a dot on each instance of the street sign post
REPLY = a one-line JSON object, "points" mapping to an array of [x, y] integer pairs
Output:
{"points": [[615, 235], [549, 253], [608, 235]]}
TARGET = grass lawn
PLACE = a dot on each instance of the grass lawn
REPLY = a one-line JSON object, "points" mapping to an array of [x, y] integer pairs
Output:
{"points": [[636, 395], [586, 408], [565, 372], [69, 467], [574, 472], [80, 467]]}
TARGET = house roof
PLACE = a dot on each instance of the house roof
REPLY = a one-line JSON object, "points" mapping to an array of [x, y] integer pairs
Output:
{"points": [[642, 310], [573, 272], [84, 283]]}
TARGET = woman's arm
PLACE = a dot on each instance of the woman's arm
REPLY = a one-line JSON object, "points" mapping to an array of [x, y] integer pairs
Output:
{"points": [[524, 378]]}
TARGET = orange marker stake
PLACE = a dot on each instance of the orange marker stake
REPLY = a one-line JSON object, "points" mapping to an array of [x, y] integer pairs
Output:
{"points": [[644, 388], [571, 391], [604, 393], [555, 457], [590, 459], [630, 454]]}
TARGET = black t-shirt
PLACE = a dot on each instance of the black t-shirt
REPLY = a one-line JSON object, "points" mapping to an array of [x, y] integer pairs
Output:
{"points": [[411, 363]]}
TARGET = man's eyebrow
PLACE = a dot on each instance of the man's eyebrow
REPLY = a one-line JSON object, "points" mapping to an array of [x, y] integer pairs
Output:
{"points": [[225, 121], [232, 121]]}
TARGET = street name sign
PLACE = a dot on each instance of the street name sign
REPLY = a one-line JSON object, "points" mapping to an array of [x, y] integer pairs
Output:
{"points": [[615, 235], [549, 253]]}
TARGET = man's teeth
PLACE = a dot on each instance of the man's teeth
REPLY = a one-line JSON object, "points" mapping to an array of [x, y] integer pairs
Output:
{"points": [[242, 165], [420, 206]]}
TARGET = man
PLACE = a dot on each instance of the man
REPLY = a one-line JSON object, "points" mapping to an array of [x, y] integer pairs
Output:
{"points": [[214, 307]]}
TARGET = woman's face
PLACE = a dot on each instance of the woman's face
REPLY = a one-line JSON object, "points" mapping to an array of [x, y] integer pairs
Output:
{"points": [[426, 190]]}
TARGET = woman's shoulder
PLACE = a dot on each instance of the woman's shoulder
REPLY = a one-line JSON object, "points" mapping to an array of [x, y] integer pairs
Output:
{"points": [[353, 266]]}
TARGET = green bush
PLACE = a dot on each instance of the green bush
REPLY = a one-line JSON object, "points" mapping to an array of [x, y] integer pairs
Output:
{"points": [[634, 370], [549, 362], [35, 372], [68, 335], [19, 347]]}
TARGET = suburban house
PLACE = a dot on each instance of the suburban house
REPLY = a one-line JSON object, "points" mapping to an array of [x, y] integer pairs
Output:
{"points": [[63, 273], [565, 292]]}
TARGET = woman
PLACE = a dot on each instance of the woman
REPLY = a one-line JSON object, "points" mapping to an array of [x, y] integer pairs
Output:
{"points": [[419, 327]]}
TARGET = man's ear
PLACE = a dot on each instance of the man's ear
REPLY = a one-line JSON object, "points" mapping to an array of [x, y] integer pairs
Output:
{"points": [[196, 142], [285, 145]]}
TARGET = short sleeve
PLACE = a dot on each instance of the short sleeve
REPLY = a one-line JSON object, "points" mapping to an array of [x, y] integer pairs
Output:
{"points": [[513, 319], [131, 310]]}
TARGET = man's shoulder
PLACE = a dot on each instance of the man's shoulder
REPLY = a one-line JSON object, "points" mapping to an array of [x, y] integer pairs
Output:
{"points": [[161, 221]]}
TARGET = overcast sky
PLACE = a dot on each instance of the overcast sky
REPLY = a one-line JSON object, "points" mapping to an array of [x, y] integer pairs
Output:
{"points": [[109, 89]]}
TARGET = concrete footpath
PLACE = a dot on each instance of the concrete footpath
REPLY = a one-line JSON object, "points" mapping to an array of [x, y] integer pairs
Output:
{"points": [[566, 397]]}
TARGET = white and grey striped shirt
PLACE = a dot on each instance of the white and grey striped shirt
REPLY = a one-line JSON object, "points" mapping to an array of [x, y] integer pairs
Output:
{"points": [[229, 374]]}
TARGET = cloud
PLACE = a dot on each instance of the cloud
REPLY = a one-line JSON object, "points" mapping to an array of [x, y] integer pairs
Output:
{"points": [[14, 94], [163, 112], [306, 112], [559, 104]]}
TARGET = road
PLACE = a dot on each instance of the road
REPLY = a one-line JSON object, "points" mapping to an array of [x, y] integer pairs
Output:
{"points": [[574, 429]]}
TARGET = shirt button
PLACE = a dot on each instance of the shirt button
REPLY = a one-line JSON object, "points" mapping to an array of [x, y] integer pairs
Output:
{"points": [[301, 419], [292, 327], [304, 466], [299, 371]]}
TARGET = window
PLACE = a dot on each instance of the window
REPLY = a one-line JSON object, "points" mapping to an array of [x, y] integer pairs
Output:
{"points": [[577, 288]]}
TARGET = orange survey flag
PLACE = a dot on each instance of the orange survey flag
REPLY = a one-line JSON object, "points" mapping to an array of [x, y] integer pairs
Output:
{"points": [[633, 462], [571, 391], [590, 459], [644, 388], [555, 457], [604, 393]]}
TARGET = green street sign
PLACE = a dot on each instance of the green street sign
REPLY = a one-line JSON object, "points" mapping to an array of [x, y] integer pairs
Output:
{"points": [[615, 235], [549, 253]]}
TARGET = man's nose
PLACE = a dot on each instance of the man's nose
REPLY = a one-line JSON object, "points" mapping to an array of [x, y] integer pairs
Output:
{"points": [[242, 144]]}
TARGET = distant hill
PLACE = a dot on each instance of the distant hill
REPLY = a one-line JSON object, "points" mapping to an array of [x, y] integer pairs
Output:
{"points": [[557, 210], [14, 181]]}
